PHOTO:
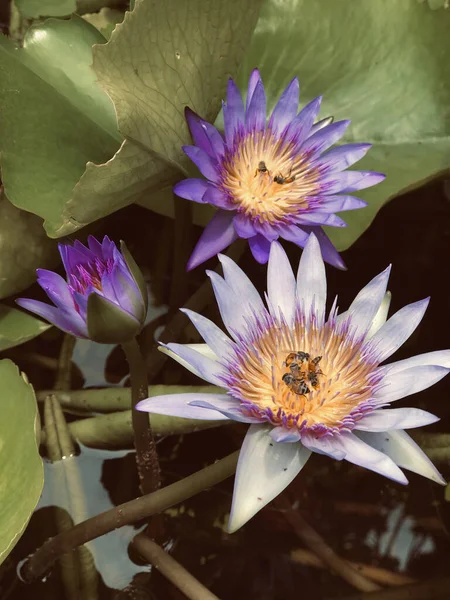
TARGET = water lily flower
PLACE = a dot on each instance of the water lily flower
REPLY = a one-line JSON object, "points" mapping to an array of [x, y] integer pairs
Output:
{"points": [[304, 379], [104, 298], [272, 180]]}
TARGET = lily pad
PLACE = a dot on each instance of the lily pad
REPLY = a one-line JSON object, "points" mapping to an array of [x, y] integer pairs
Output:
{"points": [[384, 65], [20, 464], [17, 327], [24, 247], [162, 57], [54, 116], [105, 20]]}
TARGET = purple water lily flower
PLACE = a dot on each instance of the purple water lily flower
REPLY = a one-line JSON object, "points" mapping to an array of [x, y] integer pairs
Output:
{"points": [[304, 380], [104, 297], [273, 180]]}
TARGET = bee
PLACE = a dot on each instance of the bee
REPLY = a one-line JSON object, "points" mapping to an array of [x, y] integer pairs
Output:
{"points": [[314, 371], [298, 386], [261, 168], [296, 357], [281, 179]]}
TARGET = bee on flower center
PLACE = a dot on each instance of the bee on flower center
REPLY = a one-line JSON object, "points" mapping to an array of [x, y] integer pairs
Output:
{"points": [[302, 370], [281, 179], [262, 168]]}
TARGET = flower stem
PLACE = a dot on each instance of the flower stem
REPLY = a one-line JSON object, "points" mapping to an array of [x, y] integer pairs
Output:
{"points": [[146, 456], [126, 514], [171, 569]]}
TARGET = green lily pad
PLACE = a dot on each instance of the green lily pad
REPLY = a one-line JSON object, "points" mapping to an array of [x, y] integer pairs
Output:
{"points": [[54, 117], [20, 464], [383, 64], [18, 327], [24, 247], [32, 9], [162, 57]]}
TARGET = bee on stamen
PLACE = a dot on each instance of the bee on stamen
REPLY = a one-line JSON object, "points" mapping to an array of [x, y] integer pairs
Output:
{"points": [[262, 168], [281, 179], [303, 370], [297, 386]]}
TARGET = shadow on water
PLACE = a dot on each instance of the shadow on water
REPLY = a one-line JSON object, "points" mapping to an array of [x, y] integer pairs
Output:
{"points": [[362, 516]]}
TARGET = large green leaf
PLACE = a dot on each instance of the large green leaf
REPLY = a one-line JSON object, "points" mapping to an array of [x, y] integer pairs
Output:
{"points": [[384, 65], [162, 57], [54, 117], [17, 327], [22, 474], [23, 248]]}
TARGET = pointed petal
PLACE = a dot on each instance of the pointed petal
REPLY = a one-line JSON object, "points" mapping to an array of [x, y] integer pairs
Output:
{"points": [[191, 189], [397, 329], [256, 113], [281, 284], [68, 321], [204, 135], [74, 255], [218, 234], [361, 454], [312, 281], [260, 248], [233, 311], [320, 141], [228, 406], [286, 108], [395, 418], [440, 358], [340, 203], [342, 157], [203, 349], [329, 253], [294, 234], [208, 369], [404, 451], [381, 316], [320, 218], [234, 115], [253, 81], [322, 445], [363, 309], [244, 226], [300, 127], [178, 405], [350, 181], [214, 337], [397, 385], [265, 468], [55, 287], [242, 286], [205, 164]]}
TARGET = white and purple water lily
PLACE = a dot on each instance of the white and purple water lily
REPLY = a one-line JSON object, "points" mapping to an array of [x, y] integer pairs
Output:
{"points": [[306, 381], [272, 180]]}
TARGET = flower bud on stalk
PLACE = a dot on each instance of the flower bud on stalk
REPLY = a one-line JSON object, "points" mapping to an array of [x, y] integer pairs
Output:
{"points": [[104, 298]]}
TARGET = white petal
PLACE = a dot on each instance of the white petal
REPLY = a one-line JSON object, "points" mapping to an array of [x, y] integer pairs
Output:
{"points": [[395, 418], [365, 306], [404, 451], [398, 329], [241, 284], [178, 405], [197, 362], [440, 358], [323, 445], [265, 468], [381, 316], [363, 455], [311, 280], [281, 283], [232, 309], [396, 385], [214, 337]]}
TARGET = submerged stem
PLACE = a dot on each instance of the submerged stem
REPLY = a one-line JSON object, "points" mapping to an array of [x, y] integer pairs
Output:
{"points": [[146, 455], [171, 569], [126, 514]]}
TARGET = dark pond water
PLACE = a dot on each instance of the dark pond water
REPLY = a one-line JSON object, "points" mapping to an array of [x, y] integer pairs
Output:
{"points": [[362, 516]]}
